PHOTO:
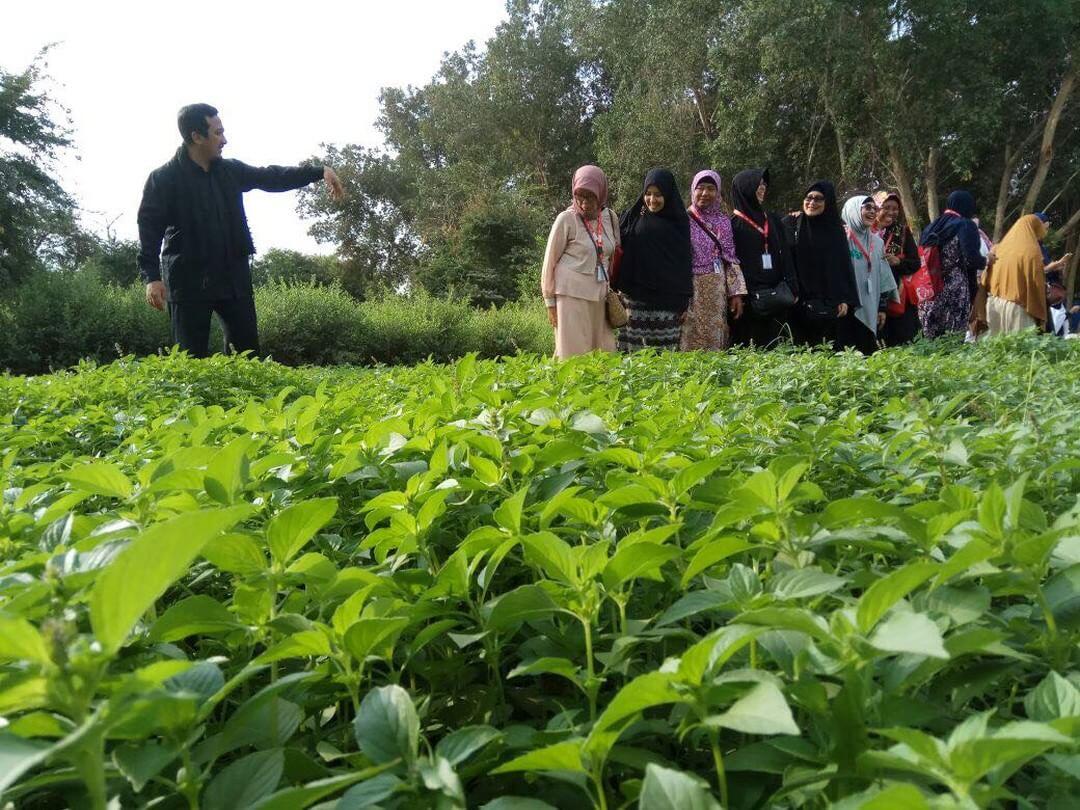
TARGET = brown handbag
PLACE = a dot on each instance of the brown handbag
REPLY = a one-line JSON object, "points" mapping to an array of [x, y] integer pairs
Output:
{"points": [[615, 310]]}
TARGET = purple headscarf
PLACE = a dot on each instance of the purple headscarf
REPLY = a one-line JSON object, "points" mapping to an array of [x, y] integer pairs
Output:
{"points": [[704, 248]]}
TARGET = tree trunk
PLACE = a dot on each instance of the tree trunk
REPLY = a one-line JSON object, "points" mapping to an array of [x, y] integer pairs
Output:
{"points": [[706, 123], [933, 208], [1012, 158], [903, 187], [1071, 245], [1046, 152], [1073, 221]]}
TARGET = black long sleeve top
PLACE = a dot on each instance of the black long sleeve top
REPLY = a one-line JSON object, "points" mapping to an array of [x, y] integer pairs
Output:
{"points": [[193, 231]]}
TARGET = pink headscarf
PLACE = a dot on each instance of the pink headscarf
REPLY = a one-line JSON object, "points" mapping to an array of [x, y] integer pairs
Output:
{"points": [[591, 178]]}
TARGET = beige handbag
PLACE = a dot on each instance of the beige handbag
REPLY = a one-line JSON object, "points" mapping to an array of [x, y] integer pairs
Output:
{"points": [[614, 309]]}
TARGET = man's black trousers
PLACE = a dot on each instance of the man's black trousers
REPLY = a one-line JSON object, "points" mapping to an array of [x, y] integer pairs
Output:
{"points": [[191, 325]]}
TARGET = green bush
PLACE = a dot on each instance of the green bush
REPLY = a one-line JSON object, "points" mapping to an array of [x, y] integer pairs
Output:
{"points": [[308, 323], [54, 320]]}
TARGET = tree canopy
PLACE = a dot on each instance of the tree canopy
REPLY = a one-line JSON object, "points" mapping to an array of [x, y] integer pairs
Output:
{"points": [[916, 95]]}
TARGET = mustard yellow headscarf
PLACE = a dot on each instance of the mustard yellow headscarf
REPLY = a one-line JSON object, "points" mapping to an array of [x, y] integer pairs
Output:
{"points": [[1018, 274]]}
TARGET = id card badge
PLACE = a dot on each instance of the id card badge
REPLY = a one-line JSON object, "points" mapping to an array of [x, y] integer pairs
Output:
{"points": [[601, 272], [717, 267], [766, 261]]}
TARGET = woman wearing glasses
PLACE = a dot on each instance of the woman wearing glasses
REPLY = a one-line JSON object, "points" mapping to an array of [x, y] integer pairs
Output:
{"points": [[873, 278], [574, 277], [819, 245]]}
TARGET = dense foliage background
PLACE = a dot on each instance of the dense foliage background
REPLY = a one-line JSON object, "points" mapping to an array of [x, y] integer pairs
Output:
{"points": [[919, 95]]}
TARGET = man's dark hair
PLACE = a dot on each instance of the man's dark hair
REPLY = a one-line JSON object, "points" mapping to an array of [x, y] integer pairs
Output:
{"points": [[192, 118]]}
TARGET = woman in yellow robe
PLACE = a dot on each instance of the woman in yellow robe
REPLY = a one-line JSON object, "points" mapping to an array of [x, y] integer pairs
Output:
{"points": [[1017, 284]]}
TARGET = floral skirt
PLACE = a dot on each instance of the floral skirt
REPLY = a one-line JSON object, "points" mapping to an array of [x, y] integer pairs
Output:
{"points": [[649, 327], [706, 325]]}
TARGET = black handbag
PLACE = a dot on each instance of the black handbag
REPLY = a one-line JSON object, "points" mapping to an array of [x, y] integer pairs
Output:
{"points": [[819, 310], [772, 301]]}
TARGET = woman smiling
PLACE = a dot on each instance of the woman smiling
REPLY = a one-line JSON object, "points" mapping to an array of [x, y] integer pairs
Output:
{"points": [[574, 278], [655, 276]]}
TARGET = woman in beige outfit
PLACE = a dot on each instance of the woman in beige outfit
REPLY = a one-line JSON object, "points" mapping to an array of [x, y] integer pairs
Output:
{"points": [[574, 279]]}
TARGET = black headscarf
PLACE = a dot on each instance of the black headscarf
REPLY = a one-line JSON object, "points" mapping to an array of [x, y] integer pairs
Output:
{"points": [[744, 188], [945, 227], [822, 255], [656, 259]]}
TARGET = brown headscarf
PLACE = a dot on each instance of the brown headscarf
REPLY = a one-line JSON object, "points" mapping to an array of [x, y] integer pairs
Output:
{"points": [[1018, 274]]}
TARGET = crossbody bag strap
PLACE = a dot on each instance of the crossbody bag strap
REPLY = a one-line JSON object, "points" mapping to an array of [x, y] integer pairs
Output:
{"points": [[703, 227]]}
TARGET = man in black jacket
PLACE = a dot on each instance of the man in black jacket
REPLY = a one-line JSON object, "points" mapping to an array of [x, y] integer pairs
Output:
{"points": [[195, 204]]}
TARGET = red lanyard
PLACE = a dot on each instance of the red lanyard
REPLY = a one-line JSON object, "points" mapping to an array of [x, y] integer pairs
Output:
{"points": [[597, 240], [763, 231], [859, 245]]}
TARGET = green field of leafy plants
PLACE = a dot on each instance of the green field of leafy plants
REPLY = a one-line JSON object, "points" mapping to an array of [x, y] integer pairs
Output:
{"points": [[744, 580]]}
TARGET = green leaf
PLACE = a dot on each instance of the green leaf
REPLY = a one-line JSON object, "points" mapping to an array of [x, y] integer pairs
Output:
{"points": [[21, 641], [905, 632], [553, 555], [714, 552], [762, 710], [194, 615], [666, 789], [645, 691], [519, 605], [1053, 698], [548, 665], [387, 727], [100, 478], [17, 756], [786, 619], [370, 792], [693, 474], [803, 583], [517, 803], [365, 635], [1010, 745], [1062, 594], [235, 554], [629, 495], [892, 797], [228, 470], [246, 781], [292, 527], [889, 590], [508, 515], [142, 572], [295, 798], [638, 560], [563, 756], [141, 762], [459, 745]]}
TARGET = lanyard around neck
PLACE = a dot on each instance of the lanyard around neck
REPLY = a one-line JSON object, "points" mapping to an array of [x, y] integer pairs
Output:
{"points": [[598, 239], [763, 231], [860, 246]]}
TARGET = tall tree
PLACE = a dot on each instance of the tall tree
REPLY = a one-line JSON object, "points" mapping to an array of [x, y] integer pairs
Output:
{"points": [[37, 217]]}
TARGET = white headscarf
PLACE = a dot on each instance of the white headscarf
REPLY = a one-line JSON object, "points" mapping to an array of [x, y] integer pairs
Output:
{"points": [[874, 280]]}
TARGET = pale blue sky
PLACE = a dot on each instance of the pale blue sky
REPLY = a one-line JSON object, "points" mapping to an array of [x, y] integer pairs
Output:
{"points": [[286, 76]]}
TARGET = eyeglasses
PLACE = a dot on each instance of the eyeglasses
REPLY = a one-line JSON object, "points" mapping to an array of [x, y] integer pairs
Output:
{"points": [[814, 198], [870, 206]]}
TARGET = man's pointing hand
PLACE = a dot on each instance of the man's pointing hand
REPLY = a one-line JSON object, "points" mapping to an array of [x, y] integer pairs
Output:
{"points": [[333, 184]]}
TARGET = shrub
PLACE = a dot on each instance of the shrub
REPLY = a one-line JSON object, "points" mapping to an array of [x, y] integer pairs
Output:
{"points": [[309, 323], [55, 320]]}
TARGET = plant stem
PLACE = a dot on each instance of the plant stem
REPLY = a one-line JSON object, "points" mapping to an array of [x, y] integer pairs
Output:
{"points": [[718, 763], [89, 761], [590, 672]]}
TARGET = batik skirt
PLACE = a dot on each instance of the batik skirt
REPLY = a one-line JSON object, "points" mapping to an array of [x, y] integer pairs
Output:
{"points": [[649, 327]]}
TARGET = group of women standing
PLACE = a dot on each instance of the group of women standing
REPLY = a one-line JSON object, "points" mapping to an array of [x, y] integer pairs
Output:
{"points": [[705, 276]]}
